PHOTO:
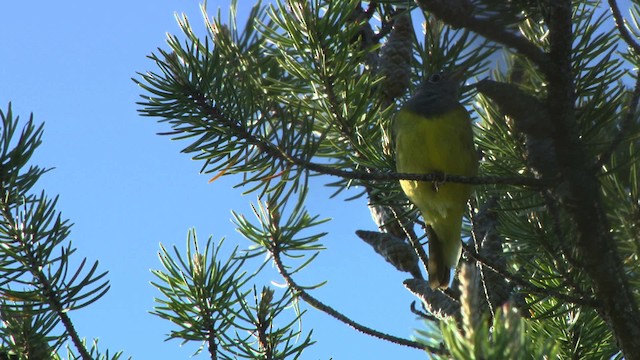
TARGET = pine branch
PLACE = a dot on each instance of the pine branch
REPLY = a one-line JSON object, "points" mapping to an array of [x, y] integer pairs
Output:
{"points": [[529, 114], [526, 285], [458, 13], [48, 293], [201, 292], [30, 231], [580, 195], [622, 28], [309, 299], [277, 153]]}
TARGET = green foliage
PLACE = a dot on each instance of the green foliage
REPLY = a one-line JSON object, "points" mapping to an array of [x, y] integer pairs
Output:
{"points": [[204, 296], [271, 235], [93, 351], [537, 234], [198, 298], [509, 337], [297, 92], [39, 286]]}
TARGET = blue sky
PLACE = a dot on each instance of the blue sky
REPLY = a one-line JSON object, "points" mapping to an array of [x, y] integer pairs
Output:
{"points": [[127, 189]]}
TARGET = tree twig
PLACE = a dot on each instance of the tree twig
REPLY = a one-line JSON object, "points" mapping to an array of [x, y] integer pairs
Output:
{"points": [[309, 299], [415, 244], [458, 13], [526, 284], [373, 175], [49, 294], [622, 28]]}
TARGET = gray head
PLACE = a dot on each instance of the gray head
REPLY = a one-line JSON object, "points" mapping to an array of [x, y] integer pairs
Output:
{"points": [[438, 94]]}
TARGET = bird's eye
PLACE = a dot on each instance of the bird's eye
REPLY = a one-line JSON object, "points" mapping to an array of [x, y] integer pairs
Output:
{"points": [[435, 78]]}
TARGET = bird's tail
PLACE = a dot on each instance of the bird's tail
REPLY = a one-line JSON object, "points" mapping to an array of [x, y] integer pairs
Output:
{"points": [[445, 247]]}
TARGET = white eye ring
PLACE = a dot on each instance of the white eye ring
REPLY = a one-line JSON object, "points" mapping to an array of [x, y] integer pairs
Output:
{"points": [[435, 78]]}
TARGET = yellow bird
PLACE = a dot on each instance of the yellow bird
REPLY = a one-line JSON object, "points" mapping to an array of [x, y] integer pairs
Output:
{"points": [[433, 134]]}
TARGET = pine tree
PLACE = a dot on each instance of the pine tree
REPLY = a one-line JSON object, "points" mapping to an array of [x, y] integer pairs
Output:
{"points": [[309, 88]]}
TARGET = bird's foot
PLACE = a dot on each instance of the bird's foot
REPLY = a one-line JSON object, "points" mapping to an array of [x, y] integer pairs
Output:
{"points": [[435, 185]]}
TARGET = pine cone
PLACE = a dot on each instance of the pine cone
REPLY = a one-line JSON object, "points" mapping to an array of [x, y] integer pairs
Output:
{"points": [[397, 252], [435, 301], [395, 57]]}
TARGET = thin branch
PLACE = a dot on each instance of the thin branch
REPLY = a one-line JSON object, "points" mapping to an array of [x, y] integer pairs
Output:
{"points": [[309, 299], [421, 313], [458, 13], [276, 152], [622, 28], [526, 284], [413, 240], [483, 224], [212, 345], [560, 235], [49, 294]]}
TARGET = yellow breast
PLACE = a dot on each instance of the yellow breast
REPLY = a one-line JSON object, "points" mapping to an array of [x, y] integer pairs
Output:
{"points": [[443, 144]]}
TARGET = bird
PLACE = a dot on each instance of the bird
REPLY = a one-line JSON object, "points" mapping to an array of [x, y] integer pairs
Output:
{"points": [[433, 134]]}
